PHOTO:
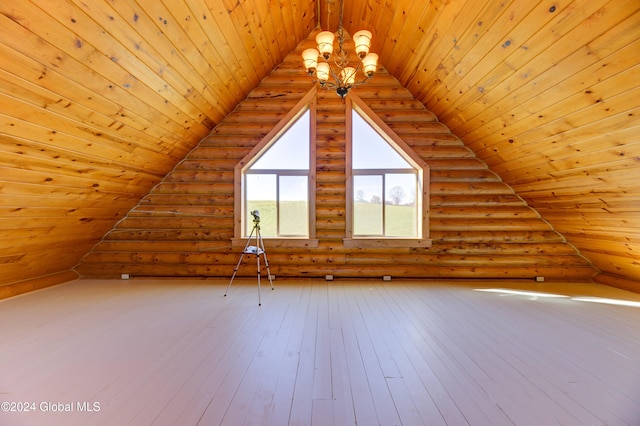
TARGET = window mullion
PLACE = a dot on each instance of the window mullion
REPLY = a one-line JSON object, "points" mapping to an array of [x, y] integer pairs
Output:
{"points": [[384, 204], [277, 204]]}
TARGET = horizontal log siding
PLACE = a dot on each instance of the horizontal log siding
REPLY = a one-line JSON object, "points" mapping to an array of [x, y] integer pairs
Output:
{"points": [[479, 227]]}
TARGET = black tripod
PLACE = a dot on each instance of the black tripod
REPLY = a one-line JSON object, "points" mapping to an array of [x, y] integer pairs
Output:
{"points": [[257, 250]]}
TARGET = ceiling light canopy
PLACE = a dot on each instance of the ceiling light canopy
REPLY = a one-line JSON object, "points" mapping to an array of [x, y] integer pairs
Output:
{"points": [[342, 77]]}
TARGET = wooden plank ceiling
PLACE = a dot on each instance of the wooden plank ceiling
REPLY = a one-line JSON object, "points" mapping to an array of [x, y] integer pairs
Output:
{"points": [[99, 100]]}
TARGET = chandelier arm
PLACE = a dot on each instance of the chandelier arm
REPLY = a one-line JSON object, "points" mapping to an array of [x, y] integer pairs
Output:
{"points": [[335, 76], [326, 84], [358, 83], [340, 59]]}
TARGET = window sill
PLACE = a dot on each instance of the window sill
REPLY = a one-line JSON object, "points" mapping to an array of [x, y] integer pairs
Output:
{"points": [[386, 242], [278, 242]]}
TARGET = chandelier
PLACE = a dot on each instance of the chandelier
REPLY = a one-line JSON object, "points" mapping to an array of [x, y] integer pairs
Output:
{"points": [[341, 76]]}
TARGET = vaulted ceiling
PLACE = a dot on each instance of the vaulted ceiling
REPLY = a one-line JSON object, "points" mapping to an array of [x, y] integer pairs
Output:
{"points": [[99, 100]]}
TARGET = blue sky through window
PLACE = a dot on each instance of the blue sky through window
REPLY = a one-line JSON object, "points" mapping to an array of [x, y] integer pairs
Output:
{"points": [[290, 151], [372, 151]]}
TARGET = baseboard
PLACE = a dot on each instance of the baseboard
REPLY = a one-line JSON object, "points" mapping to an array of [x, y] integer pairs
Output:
{"points": [[33, 284], [618, 282]]}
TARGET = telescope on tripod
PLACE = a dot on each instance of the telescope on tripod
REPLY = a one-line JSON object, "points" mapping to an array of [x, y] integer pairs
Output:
{"points": [[257, 250]]}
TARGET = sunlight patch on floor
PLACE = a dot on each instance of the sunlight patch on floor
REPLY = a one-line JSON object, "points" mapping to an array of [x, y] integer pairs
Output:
{"points": [[536, 294]]}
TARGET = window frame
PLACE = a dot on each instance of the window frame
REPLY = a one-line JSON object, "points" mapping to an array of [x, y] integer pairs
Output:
{"points": [[353, 102], [307, 103]]}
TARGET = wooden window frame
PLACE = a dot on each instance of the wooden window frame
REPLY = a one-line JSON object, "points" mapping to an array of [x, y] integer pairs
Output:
{"points": [[308, 102], [352, 102]]}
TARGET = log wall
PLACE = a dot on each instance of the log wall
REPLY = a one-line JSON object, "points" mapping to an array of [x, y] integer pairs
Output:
{"points": [[480, 228]]}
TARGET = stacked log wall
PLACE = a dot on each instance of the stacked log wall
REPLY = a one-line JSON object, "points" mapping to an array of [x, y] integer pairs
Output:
{"points": [[479, 227]]}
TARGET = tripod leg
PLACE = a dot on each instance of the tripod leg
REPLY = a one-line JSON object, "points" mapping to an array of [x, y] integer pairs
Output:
{"points": [[266, 262], [235, 271], [258, 262]]}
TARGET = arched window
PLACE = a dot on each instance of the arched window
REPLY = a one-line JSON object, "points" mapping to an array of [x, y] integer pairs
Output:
{"points": [[387, 185]]}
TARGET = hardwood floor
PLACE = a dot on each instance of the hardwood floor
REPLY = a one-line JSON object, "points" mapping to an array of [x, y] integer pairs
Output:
{"points": [[170, 352]]}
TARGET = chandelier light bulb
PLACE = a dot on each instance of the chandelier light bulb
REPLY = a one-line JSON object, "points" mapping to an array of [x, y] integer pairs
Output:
{"points": [[369, 64], [325, 43], [348, 76], [310, 58], [323, 72], [362, 40]]}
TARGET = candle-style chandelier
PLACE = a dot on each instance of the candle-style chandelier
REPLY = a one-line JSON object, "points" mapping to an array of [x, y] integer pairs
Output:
{"points": [[343, 78]]}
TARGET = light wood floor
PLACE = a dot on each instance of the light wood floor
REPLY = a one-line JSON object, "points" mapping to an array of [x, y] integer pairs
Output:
{"points": [[169, 352]]}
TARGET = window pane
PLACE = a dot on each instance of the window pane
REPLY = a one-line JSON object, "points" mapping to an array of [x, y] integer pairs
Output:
{"points": [[367, 206], [261, 196], [290, 151], [294, 211], [401, 213]]}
